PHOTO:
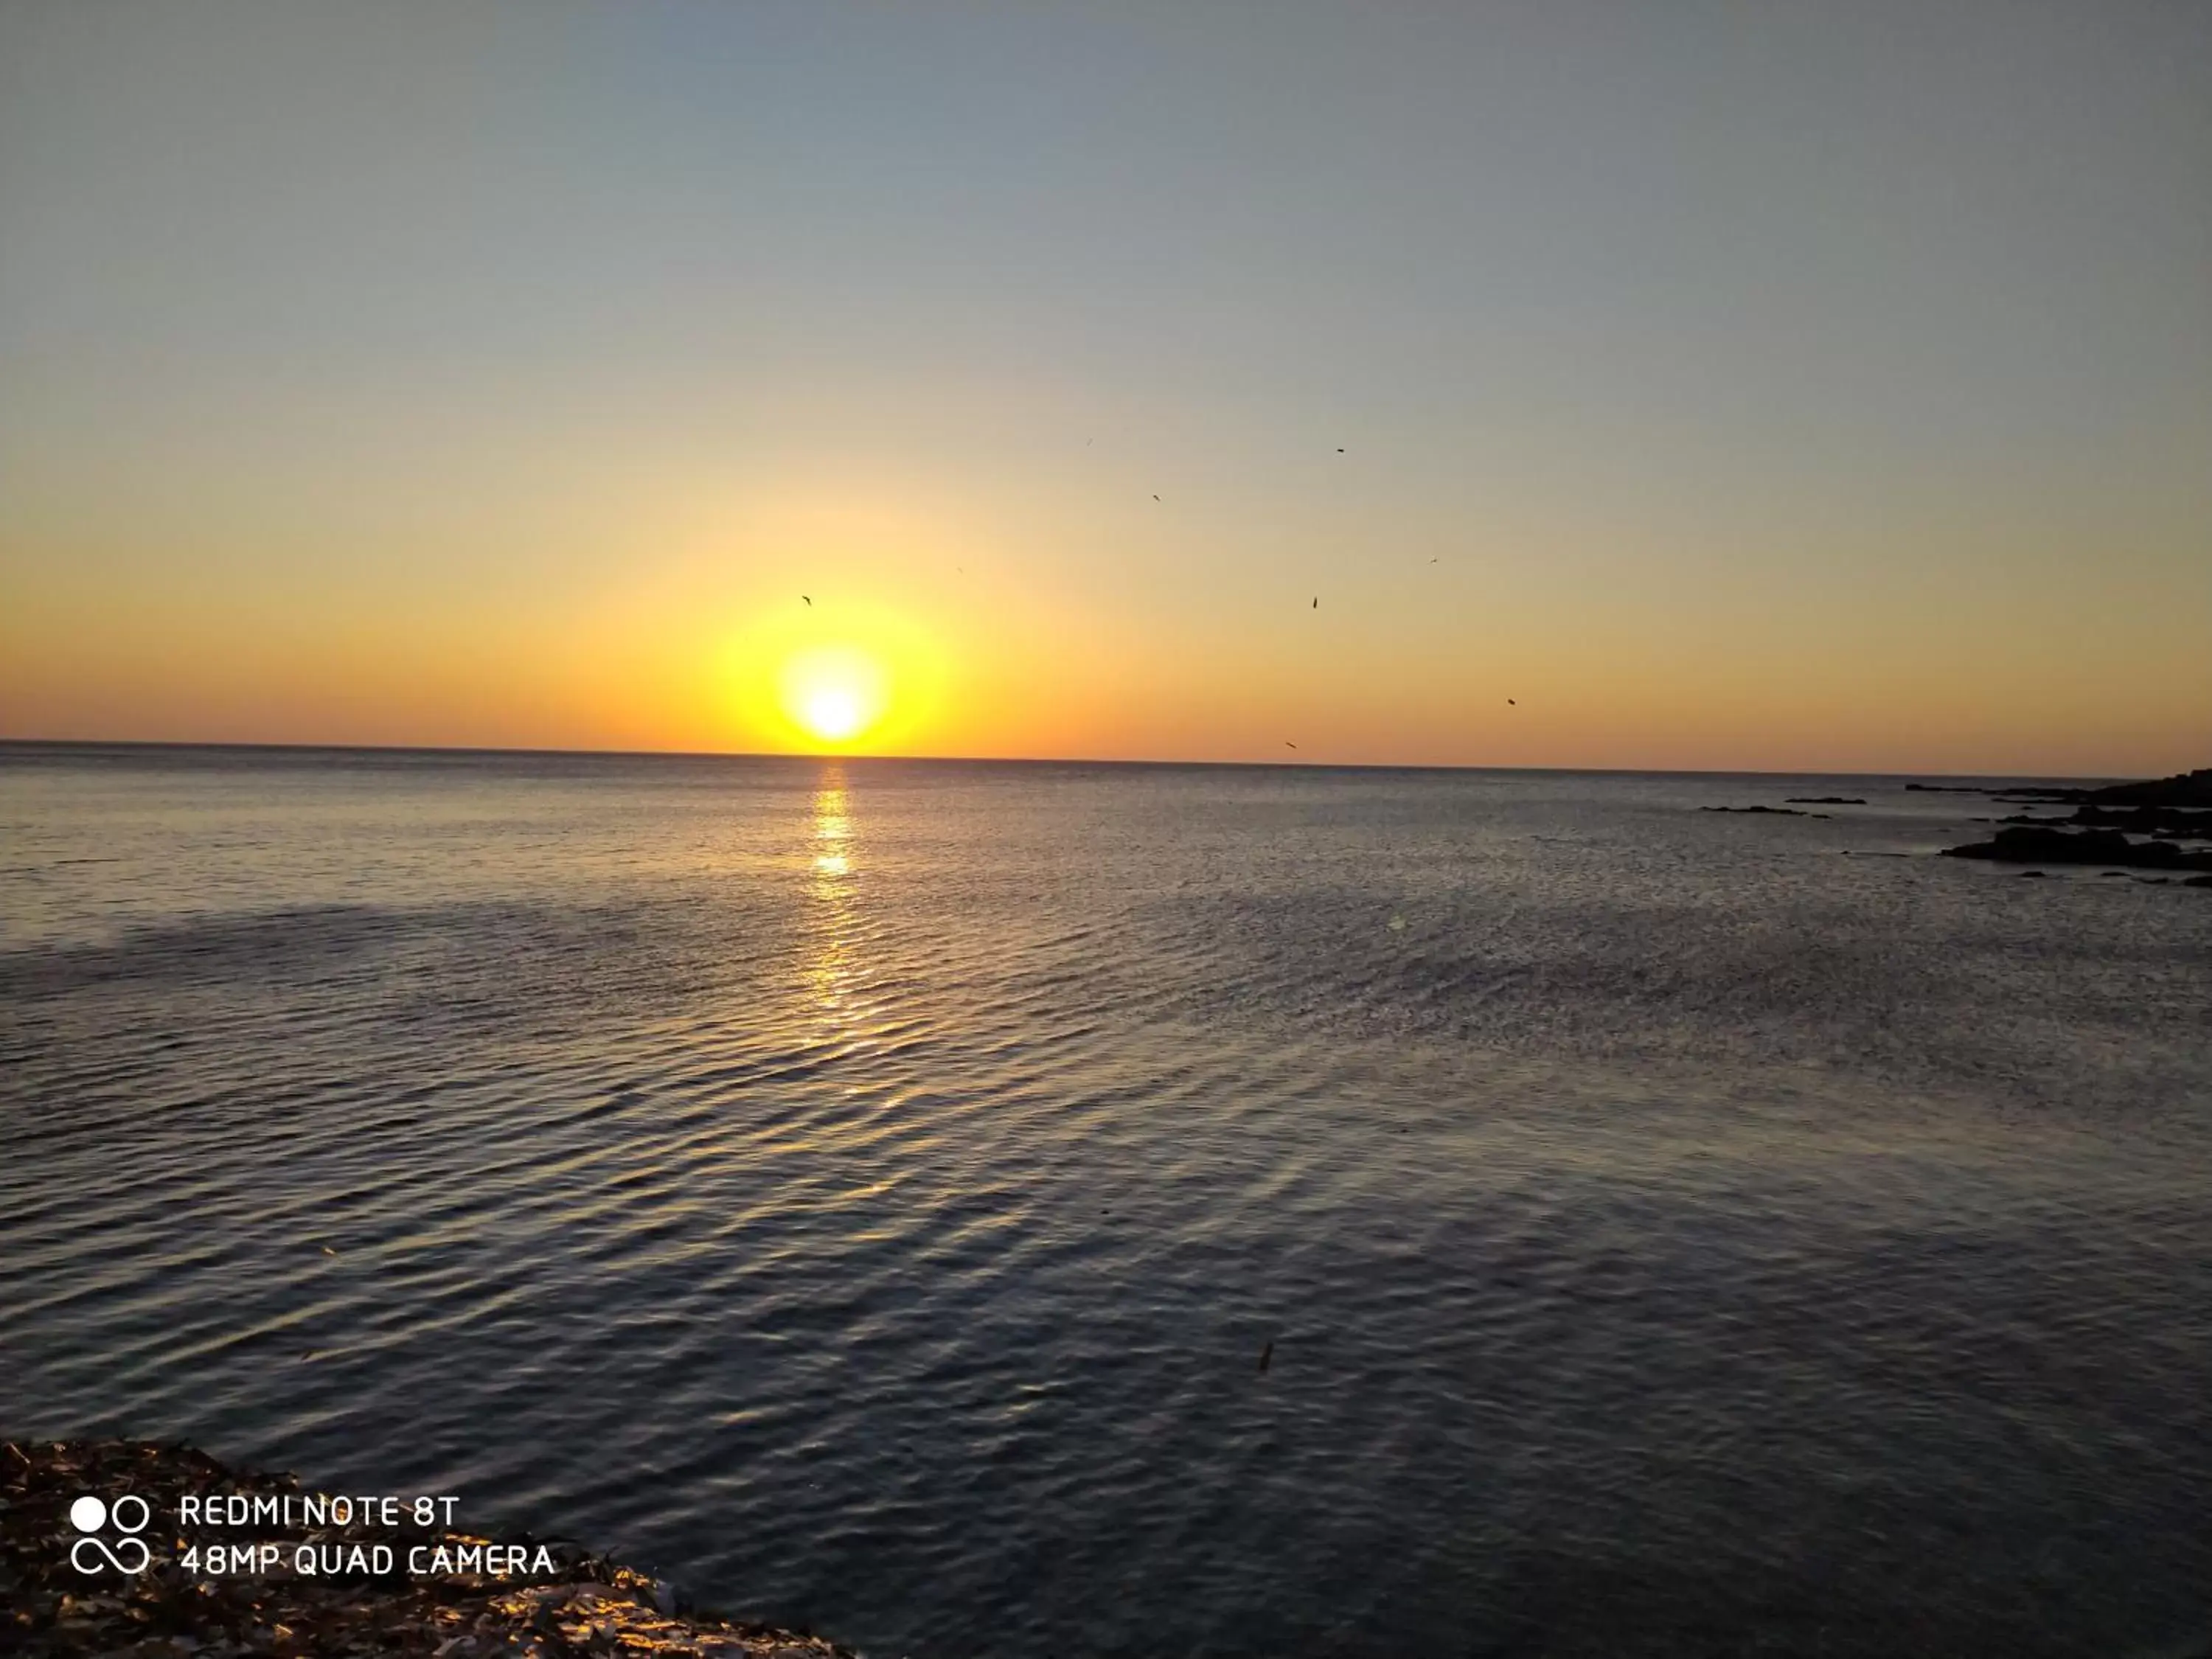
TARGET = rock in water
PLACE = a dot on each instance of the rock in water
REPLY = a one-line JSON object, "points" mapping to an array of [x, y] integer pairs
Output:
{"points": [[2027, 844], [2182, 789]]}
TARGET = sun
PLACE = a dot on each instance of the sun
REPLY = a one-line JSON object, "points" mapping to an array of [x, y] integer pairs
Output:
{"points": [[868, 680], [833, 711], [834, 693]]}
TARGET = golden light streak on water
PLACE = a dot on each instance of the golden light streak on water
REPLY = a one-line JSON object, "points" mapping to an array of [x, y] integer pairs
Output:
{"points": [[832, 920]]}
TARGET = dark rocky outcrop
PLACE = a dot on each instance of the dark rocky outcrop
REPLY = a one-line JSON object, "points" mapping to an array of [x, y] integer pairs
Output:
{"points": [[1825, 800], [2026, 844], [2182, 789], [2188, 823], [2166, 812]]}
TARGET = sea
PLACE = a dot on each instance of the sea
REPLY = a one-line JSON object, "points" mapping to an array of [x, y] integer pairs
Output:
{"points": [[1025, 1209]]}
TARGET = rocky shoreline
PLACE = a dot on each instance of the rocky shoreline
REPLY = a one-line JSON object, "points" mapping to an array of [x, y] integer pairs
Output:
{"points": [[565, 1600], [2162, 824], [2165, 811]]}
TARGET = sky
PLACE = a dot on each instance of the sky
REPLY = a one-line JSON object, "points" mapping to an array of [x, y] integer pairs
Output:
{"points": [[1780, 386]]}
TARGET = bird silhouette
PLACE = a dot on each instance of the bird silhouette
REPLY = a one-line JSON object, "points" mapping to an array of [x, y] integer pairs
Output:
{"points": [[1509, 703], [1339, 449], [1155, 498], [1316, 604], [810, 604], [1287, 743], [1267, 1353]]}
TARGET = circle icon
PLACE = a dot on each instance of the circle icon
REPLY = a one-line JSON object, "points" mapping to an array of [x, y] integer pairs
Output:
{"points": [[145, 1512], [87, 1514]]}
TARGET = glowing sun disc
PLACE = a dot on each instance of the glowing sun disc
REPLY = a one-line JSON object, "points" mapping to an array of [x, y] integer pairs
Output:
{"points": [[834, 693], [833, 711]]}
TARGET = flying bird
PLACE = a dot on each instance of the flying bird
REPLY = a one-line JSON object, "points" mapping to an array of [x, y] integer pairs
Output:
{"points": [[1267, 1353], [1509, 703], [810, 604], [1287, 743], [1155, 498], [1316, 604], [1339, 449]]}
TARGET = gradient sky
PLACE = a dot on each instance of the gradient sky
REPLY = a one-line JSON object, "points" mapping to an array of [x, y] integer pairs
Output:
{"points": [[1750, 386]]}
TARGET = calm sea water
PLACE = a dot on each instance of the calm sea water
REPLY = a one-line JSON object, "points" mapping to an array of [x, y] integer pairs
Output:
{"points": [[862, 1191]]}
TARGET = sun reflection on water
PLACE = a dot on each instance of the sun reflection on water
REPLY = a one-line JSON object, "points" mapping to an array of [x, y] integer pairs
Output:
{"points": [[832, 961], [832, 829]]}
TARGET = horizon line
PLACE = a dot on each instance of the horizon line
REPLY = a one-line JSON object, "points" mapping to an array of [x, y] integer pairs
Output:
{"points": [[468, 750]]}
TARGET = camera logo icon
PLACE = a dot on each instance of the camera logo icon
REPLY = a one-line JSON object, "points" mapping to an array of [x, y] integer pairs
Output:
{"points": [[89, 1515]]}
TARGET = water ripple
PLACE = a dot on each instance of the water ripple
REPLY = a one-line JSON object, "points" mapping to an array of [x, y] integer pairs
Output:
{"points": [[864, 1192]]}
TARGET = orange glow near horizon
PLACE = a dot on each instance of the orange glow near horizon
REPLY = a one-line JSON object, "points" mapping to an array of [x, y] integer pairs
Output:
{"points": [[1003, 611], [838, 677]]}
